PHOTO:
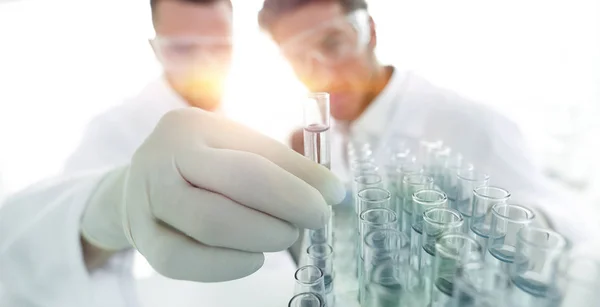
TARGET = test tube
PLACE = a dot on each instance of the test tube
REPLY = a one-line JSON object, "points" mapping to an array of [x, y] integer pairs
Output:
{"points": [[362, 168], [384, 268], [370, 198], [467, 180], [374, 219], [410, 167], [579, 280], [422, 201], [306, 299], [437, 222], [321, 256], [317, 148], [438, 164], [476, 285], [484, 198], [451, 252], [533, 270], [507, 220], [310, 278], [410, 185], [454, 163], [365, 181], [427, 149]]}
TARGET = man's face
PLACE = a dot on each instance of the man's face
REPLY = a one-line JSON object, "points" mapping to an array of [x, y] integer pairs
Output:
{"points": [[330, 51], [193, 43]]}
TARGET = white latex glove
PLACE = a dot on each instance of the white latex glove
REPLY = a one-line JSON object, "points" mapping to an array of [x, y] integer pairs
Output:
{"points": [[204, 197]]}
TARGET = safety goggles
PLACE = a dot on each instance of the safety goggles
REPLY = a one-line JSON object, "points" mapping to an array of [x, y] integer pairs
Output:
{"points": [[182, 52], [329, 43]]}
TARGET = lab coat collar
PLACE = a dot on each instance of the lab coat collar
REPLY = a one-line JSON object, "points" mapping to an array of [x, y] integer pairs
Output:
{"points": [[386, 110]]}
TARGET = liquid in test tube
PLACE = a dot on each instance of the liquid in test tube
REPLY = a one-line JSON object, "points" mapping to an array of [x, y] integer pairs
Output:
{"points": [[317, 148], [316, 129]]}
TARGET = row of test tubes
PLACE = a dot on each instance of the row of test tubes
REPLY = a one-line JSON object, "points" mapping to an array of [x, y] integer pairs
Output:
{"points": [[428, 229]]}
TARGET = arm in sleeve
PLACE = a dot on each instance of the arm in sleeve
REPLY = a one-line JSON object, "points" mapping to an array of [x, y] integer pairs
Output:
{"points": [[40, 251]]}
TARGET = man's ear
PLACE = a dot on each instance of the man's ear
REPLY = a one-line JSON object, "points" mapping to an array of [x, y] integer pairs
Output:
{"points": [[373, 41]]}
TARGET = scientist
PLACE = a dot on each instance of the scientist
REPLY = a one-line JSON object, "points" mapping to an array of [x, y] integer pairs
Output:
{"points": [[330, 44], [200, 197]]}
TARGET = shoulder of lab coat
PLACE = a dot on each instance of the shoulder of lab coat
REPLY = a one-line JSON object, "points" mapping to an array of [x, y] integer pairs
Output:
{"points": [[492, 142], [112, 137], [40, 252]]}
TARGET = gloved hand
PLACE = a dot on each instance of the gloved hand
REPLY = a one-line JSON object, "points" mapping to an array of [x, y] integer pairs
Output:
{"points": [[204, 197]]}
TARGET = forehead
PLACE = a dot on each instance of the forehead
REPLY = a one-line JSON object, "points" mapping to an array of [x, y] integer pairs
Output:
{"points": [[305, 18], [183, 18]]}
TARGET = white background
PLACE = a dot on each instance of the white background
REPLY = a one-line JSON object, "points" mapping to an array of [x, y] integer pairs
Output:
{"points": [[63, 61]]}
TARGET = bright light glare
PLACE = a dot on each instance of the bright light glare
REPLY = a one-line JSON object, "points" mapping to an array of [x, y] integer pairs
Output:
{"points": [[62, 63]]}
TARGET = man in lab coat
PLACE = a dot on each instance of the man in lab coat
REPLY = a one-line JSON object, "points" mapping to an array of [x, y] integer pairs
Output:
{"points": [[178, 184], [331, 47]]}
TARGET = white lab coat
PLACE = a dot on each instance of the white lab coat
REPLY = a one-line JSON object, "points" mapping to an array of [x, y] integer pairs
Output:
{"points": [[40, 258]]}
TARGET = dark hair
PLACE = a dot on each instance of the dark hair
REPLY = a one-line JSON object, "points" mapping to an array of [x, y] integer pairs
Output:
{"points": [[273, 9], [154, 2]]}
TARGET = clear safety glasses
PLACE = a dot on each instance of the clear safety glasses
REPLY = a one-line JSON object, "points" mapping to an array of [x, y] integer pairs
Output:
{"points": [[180, 53], [329, 43]]}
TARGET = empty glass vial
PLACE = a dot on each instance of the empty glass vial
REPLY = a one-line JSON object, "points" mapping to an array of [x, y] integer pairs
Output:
{"points": [[422, 201], [476, 285], [579, 280], [452, 252], [467, 180], [427, 150], [365, 181], [484, 198], [407, 168], [376, 219], [410, 185], [437, 222], [449, 182], [533, 270], [370, 198], [306, 299], [321, 256], [507, 220], [384, 269], [364, 167]]}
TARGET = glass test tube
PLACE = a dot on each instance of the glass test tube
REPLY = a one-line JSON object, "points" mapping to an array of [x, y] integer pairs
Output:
{"points": [[321, 256], [454, 163], [467, 180], [370, 198], [384, 269], [506, 222], [375, 219], [484, 198], [427, 149], [438, 163], [579, 280], [534, 267], [422, 201], [437, 222], [451, 252], [410, 167], [306, 299], [310, 278], [317, 148], [365, 181], [476, 285], [372, 220], [410, 185]]}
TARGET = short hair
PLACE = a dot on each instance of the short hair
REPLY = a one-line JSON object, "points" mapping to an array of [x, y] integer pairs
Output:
{"points": [[274, 9], [154, 2]]}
